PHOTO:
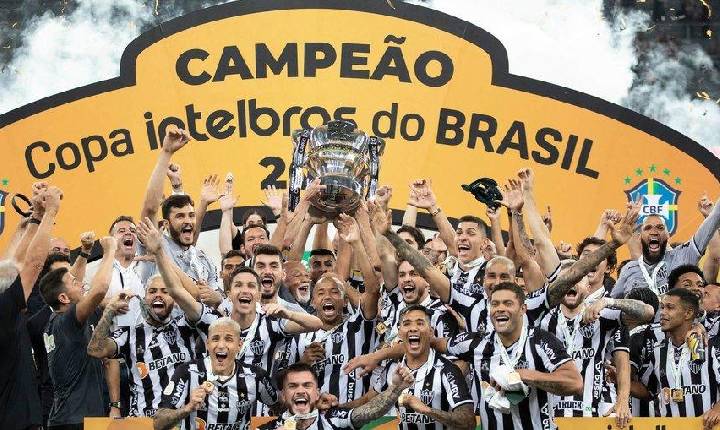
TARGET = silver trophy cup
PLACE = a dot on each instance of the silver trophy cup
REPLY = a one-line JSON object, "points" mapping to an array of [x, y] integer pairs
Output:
{"points": [[344, 158]]}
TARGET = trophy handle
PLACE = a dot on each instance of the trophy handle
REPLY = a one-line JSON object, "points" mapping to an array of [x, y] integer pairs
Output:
{"points": [[374, 147], [296, 173]]}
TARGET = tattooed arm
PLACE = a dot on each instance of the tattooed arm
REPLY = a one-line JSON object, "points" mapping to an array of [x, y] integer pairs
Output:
{"points": [[166, 419], [564, 381], [635, 309], [381, 404], [525, 253], [101, 345], [462, 417]]}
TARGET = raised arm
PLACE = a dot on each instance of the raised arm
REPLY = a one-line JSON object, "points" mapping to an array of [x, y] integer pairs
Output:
{"points": [[277, 238], [349, 231], [439, 283], [173, 141], [149, 235], [547, 255], [707, 229], [496, 230], [423, 197], [298, 247], [227, 227], [383, 402], [620, 233], [101, 344], [37, 250], [209, 194], [297, 322], [388, 262], [100, 283], [524, 249], [38, 211], [87, 240]]}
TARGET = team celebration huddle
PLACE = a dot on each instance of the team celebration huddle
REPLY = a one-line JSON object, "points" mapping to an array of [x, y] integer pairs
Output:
{"points": [[491, 324]]}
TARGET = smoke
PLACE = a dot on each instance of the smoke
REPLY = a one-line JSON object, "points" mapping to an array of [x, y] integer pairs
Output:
{"points": [[567, 42]]}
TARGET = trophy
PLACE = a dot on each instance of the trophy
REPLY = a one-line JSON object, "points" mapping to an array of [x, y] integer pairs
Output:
{"points": [[346, 160]]}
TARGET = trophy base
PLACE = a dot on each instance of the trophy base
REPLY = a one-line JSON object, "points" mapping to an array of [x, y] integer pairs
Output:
{"points": [[342, 195]]}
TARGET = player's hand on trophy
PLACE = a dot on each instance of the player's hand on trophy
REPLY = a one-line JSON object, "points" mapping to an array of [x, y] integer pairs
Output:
{"points": [[314, 190], [381, 219], [348, 228]]}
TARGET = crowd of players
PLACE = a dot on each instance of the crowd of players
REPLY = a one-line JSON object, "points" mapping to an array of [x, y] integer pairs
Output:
{"points": [[465, 325]]}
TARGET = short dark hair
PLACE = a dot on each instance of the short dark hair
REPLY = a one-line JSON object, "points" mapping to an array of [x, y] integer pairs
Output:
{"points": [[416, 234], [298, 367], [50, 260], [121, 218], [51, 286], [252, 212], [242, 233], [645, 295], [476, 220], [411, 308], [245, 269], [677, 272], [230, 254], [686, 297], [611, 259], [321, 251], [510, 286], [267, 249], [175, 201]]}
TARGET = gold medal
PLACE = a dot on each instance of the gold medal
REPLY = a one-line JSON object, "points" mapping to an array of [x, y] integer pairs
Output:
{"points": [[208, 386], [380, 328], [514, 378], [677, 395], [666, 395], [290, 424]]}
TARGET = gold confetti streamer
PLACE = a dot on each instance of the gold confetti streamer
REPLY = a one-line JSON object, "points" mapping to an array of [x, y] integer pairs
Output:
{"points": [[157, 5], [707, 6]]}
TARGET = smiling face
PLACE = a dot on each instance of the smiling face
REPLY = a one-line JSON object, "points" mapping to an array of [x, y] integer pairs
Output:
{"points": [[413, 287], [297, 280], [328, 300], [320, 264], [468, 241], [415, 332], [269, 268], [497, 271], [244, 292], [254, 236], [506, 312], [300, 392], [181, 224], [692, 282], [157, 298], [653, 237], [126, 235], [673, 313], [223, 345]]}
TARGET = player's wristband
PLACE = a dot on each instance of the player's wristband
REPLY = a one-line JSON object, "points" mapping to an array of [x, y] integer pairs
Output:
{"points": [[34, 221], [114, 405], [434, 214], [84, 255]]}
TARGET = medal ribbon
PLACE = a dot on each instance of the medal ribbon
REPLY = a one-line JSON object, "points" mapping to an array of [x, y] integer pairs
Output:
{"points": [[676, 368], [650, 280], [512, 361], [570, 337], [250, 335]]}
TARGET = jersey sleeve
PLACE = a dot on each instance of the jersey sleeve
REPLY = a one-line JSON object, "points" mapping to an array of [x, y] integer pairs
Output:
{"points": [[340, 418], [463, 345], [207, 316], [620, 340], [551, 351], [176, 392], [121, 338], [455, 386]]}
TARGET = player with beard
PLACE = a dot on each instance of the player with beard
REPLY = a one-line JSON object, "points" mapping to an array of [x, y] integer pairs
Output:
{"points": [[300, 394], [589, 335], [686, 385], [217, 391], [297, 282], [654, 266], [439, 397], [153, 348], [517, 368], [267, 263], [178, 213], [252, 237], [341, 338]]}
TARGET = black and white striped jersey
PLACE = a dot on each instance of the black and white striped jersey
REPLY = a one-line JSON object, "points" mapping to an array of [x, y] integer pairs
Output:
{"points": [[542, 352], [468, 298], [589, 345], [334, 419], [669, 372], [261, 347], [443, 322], [650, 333], [355, 337], [230, 404], [152, 354], [438, 383]]}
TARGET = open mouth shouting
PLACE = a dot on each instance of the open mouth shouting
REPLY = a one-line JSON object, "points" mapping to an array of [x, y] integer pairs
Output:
{"points": [[654, 245], [186, 233], [502, 321], [267, 283], [464, 248], [301, 403], [328, 309], [221, 357], [413, 342], [244, 300], [409, 290], [303, 291], [158, 305], [128, 241]]}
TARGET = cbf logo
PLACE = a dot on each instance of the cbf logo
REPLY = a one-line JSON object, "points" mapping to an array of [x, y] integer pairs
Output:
{"points": [[658, 196]]}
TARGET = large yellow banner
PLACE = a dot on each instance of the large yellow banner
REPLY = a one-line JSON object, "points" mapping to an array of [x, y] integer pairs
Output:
{"points": [[241, 76]]}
